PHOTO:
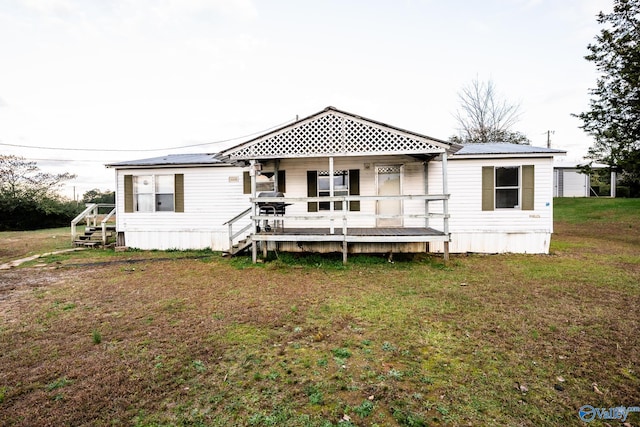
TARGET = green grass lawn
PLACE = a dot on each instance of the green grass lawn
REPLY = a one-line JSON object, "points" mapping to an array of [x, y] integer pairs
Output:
{"points": [[156, 338], [595, 210]]}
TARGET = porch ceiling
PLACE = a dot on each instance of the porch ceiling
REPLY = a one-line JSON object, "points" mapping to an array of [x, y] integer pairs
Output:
{"points": [[332, 132]]}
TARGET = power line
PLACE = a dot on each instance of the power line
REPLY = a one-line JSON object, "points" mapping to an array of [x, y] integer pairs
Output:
{"points": [[113, 150], [71, 160]]}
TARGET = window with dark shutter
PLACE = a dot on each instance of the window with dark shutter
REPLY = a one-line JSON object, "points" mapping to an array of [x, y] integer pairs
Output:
{"points": [[128, 193], [312, 190], [246, 183], [154, 193], [282, 181], [487, 188], [508, 187], [528, 187], [179, 192], [264, 182], [354, 188]]}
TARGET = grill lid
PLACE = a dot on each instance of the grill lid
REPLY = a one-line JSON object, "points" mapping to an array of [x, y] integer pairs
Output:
{"points": [[271, 194]]}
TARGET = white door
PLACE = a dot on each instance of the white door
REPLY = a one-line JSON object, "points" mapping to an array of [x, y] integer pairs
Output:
{"points": [[389, 183]]}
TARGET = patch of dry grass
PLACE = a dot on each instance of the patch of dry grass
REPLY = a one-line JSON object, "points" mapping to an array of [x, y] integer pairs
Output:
{"points": [[484, 340], [20, 244]]}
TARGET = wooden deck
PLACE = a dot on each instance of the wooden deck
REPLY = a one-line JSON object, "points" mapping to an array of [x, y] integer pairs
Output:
{"points": [[390, 238], [387, 234]]}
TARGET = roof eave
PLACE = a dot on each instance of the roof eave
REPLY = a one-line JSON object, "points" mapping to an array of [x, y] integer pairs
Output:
{"points": [[168, 165], [506, 155]]}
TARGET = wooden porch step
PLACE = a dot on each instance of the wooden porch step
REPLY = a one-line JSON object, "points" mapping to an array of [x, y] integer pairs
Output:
{"points": [[238, 247], [99, 228], [93, 237], [87, 243]]}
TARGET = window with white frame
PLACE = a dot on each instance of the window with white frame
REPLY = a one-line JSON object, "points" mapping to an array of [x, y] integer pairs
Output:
{"points": [[164, 193], [153, 193], [507, 187], [340, 187]]}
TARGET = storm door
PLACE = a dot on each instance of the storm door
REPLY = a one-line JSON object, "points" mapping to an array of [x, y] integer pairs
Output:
{"points": [[389, 183]]}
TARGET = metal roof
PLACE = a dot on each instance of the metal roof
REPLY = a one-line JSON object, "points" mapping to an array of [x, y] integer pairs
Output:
{"points": [[491, 148], [575, 164], [172, 160]]}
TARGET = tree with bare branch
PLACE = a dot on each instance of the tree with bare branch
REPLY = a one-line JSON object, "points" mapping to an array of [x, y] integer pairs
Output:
{"points": [[29, 198], [484, 116]]}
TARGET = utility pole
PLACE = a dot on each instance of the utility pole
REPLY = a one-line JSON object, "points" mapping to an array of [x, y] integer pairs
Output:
{"points": [[549, 132]]}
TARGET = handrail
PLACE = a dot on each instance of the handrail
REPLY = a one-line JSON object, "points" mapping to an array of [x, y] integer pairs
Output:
{"points": [[237, 217], [90, 213], [80, 217], [232, 221], [104, 226]]}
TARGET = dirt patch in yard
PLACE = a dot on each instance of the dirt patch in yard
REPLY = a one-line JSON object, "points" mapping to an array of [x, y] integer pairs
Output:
{"points": [[154, 339]]}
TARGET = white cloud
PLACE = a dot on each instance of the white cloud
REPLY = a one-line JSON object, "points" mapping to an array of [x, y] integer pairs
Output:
{"points": [[50, 7]]}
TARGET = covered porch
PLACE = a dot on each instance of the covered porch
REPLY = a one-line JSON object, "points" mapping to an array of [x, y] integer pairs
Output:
{"points": [[367, 186]]}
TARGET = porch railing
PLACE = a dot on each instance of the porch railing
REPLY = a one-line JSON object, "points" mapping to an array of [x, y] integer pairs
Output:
{"points": [[91, 215], [345, 214], [340, 218]]}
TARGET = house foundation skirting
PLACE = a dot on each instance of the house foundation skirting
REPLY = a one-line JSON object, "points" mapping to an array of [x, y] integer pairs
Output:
{"points": [[493, 242]]}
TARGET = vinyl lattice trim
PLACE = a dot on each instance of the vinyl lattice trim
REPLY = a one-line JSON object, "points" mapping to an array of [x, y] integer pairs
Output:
{"points": [[333, 134]]}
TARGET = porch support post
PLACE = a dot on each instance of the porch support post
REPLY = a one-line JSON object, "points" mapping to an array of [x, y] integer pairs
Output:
{"points": [[426, 192], [445, 205], [332, 231], [276, 169], [254, 245], [345, 245], [612, 187]]}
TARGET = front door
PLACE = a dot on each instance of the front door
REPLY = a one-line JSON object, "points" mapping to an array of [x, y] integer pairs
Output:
{"points": [[389, 183]]}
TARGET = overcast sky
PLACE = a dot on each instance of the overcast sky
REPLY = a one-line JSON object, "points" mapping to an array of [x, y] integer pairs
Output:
{"points": [[157, 74]]}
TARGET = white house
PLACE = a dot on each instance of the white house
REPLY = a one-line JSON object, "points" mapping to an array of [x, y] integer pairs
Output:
{"points": [[501, 198], [335, 181]]}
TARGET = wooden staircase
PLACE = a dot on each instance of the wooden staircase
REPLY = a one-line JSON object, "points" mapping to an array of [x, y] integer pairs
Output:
{"points": [[243, 243], [96, 233], [239, 247], [93, 237]]}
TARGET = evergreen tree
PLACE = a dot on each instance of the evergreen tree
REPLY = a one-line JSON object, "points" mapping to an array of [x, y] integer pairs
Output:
{"points": [[614, 115]]}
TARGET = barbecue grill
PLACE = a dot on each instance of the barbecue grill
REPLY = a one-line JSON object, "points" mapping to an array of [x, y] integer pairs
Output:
{"points": [[271, 208]]}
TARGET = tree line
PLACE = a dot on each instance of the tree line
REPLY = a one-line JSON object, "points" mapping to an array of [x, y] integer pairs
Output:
{"points": [[29, 198]]}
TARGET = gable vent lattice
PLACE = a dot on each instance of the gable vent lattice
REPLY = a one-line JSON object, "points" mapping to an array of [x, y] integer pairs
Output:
{"points": [[332, 134]]}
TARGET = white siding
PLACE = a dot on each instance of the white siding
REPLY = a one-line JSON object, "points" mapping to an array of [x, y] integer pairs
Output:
{"points": [[296, 175], [212, 196], [500, 230]]}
